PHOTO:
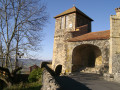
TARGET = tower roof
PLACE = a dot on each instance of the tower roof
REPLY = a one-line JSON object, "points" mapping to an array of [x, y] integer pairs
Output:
{"points": [[72, 10]]}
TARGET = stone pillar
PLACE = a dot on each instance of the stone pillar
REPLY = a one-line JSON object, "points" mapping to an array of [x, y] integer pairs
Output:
{"points": [[114, 61]]}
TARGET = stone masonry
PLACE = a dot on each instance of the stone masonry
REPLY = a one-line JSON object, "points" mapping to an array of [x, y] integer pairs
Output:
{"points": [[59, 40], [49, 82], [114, 62]]}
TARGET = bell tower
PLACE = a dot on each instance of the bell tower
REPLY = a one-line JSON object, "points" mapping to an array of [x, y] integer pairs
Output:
{"points": [[68, 24]]}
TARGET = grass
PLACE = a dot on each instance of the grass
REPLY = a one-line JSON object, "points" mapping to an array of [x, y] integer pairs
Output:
{"points": [[26, 86]]}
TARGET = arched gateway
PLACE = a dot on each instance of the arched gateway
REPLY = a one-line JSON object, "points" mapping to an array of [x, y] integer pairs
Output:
{"points": [[86, 56], [58, 70]]}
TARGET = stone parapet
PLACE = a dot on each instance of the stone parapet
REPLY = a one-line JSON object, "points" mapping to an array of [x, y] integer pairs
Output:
{"points": [[49, 82]]}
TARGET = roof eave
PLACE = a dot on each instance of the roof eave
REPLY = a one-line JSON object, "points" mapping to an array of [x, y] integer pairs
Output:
{"points": [[87, 40], [64, 14], [73, 12]]}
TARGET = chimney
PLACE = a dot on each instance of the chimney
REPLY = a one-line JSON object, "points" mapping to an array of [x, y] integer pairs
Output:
{"points": [[117, 12]]}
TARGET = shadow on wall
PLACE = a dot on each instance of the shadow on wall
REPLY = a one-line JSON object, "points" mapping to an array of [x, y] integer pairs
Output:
{"points": [[66, 83]]}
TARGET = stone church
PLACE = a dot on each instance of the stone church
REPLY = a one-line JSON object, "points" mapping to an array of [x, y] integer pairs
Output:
{"points": [[76, 48]]}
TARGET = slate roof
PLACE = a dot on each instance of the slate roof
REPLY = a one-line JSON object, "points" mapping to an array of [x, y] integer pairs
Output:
{"points": [[73, 10], [101, 35]]}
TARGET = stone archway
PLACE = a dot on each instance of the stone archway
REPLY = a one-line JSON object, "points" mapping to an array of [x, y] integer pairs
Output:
{"points": [[86, 56], [58, 70]]}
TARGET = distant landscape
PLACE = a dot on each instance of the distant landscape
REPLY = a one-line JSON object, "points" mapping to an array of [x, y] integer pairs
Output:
{"points": [[26, 63], [30, 62]]}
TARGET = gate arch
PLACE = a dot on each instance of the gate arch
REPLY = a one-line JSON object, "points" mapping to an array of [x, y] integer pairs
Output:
{"points": [[86, 55], [58, 70]]}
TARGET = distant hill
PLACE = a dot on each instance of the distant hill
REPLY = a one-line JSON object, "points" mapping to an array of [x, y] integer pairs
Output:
{"points": [[26, 63], [30, 62]]}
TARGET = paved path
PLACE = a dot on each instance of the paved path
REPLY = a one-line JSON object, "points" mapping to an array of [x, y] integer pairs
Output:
{"points": [[94, 82], [85, 81]]}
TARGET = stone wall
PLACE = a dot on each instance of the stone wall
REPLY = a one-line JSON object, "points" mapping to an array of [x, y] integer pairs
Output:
{"points": [[114, 62], [49, 82], [114, 42]]}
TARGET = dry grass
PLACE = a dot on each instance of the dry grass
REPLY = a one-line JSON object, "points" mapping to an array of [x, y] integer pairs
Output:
{"points": [[26, 86]]}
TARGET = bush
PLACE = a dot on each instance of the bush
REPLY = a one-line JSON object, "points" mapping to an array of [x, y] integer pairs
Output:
{"points": [[35, 75]]}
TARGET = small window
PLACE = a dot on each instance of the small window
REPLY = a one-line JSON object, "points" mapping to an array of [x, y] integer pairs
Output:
{"points": [[62, 22], [66, 22]]}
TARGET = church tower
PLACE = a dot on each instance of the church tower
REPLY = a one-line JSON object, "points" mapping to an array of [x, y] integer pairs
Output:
{"points": [[68, 24]]}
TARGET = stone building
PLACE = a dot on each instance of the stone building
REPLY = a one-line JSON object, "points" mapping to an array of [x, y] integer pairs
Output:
{"points": [[76, 48]]}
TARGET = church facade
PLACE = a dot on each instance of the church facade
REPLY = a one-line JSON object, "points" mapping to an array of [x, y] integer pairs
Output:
{"points": [[76, 48]]}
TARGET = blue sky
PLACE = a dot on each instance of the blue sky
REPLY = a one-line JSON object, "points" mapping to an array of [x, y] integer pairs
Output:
{"points": [[98, 10]]}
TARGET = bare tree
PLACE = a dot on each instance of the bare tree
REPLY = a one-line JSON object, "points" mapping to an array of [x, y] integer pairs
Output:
{"points": [[21, 22], [1, 53]]}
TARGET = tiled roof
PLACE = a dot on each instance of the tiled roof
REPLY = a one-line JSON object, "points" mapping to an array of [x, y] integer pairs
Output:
{"points": [[101, 35], [72, 10]]}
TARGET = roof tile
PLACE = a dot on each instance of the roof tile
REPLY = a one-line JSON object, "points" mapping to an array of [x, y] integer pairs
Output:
{"points": [[72, 10], [101, 35]]}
